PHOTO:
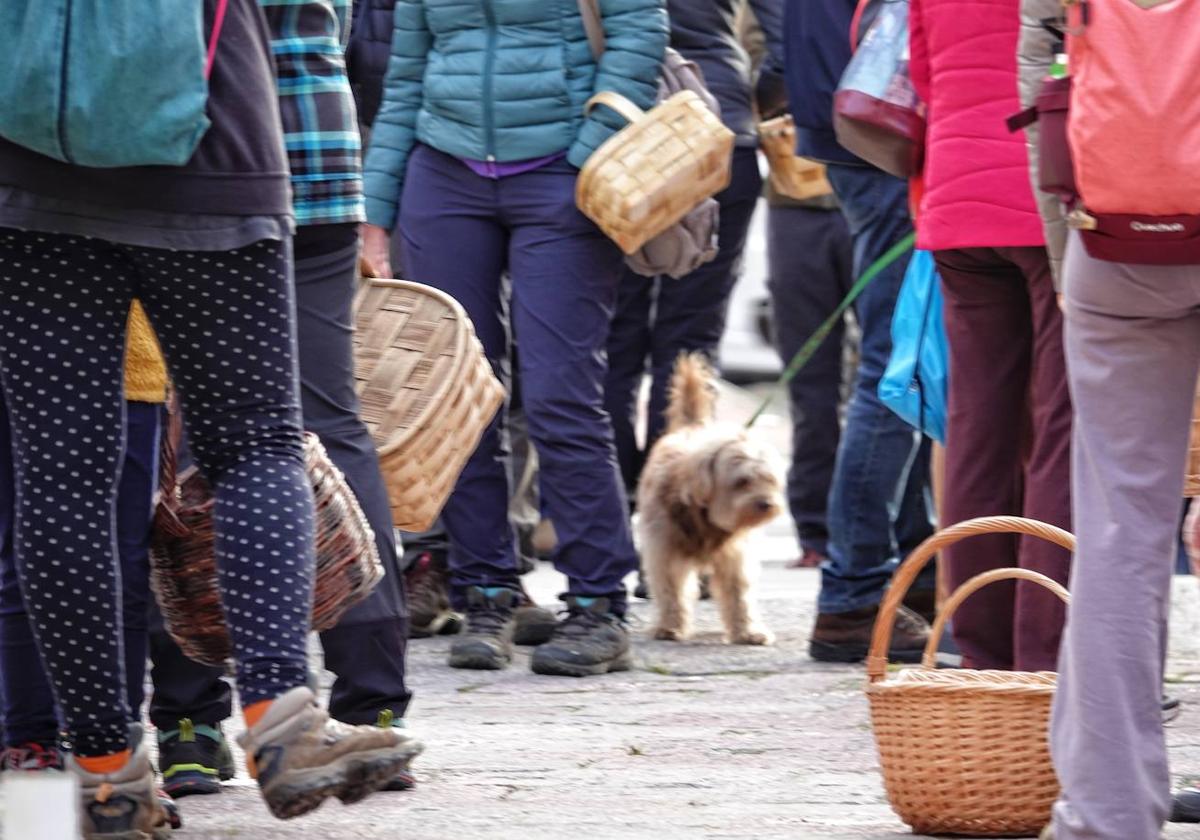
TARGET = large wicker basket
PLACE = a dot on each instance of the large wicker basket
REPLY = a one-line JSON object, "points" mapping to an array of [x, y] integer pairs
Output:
{"points": [[792, 176], [183, 569], [964, 752], [653, 172], [427, 392]]}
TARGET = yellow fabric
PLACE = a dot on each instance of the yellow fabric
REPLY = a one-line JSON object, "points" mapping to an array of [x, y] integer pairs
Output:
{"points": [[145, 371]]}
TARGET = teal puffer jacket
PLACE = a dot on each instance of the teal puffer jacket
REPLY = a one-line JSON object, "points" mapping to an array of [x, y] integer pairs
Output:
{"points": [[505, 80]]}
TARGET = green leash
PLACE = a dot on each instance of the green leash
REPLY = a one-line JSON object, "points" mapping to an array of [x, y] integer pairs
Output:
{"points": [[805, 353]]}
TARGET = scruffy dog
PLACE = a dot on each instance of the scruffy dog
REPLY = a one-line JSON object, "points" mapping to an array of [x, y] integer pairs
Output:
{"points": [[704, 488]]}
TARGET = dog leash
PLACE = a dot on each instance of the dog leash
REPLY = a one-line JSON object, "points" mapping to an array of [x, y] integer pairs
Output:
{"points": [[814, 341]]}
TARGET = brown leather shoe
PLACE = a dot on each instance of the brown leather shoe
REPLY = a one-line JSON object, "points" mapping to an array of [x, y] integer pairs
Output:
{"points": [[845, 637]]}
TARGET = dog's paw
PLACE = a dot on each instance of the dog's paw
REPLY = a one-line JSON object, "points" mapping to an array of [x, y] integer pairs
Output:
{"points": [[756, 636], [668, 634]]}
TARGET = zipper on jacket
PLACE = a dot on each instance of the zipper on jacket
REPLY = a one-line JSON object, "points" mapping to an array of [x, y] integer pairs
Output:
{"points": [[489, 62], [63, 81]]}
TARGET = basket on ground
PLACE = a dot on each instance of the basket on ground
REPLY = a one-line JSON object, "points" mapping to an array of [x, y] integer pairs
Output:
{"points": [[964, 752], [653, 172], [183, 569], [426, 389], [792, 176]]}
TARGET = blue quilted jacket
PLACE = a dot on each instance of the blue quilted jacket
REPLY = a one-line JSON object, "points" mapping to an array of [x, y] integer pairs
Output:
{"points": [[505, 80]]}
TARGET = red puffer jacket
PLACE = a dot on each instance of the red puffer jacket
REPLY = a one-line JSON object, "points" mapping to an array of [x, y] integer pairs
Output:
{"points": [[964, 65]]}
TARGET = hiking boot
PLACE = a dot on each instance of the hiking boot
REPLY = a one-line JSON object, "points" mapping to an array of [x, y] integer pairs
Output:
{"points": [[532, 625], [404, 778], [194, 759], [845, 637], [589, 640], [124, 804], [428, 601], [488, 641], [301, 758], [31, 757]]}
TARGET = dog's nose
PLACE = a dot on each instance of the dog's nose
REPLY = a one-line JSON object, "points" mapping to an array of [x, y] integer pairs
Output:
{"points": [[765, 505]]}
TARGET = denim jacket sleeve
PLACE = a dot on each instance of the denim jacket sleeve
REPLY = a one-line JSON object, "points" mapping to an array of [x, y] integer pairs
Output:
{"points": [[636, 35], [394, 132]]}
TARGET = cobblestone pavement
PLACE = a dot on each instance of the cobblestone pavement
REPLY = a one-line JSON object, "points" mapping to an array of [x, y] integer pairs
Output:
{"points": [[700, 741]]}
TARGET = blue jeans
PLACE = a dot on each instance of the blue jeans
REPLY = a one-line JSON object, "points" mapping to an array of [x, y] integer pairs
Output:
{"points": [[810, 260], [879, 506]]}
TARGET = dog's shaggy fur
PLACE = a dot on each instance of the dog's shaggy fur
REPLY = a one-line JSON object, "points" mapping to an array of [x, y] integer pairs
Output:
{"points": [[704, 488]]}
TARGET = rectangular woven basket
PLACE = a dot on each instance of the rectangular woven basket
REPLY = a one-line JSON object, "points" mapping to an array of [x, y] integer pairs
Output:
{"points": [[653, 172], [426, 389], [792, 176]]}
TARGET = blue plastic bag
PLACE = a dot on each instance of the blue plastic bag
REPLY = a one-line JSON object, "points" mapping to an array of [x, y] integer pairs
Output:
{"points": [[914, 384]]}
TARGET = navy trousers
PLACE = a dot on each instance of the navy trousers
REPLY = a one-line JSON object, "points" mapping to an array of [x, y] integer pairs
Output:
{"points": [[659, 318], [810, 263], [460, 233], [27, 701], [366, 650]]}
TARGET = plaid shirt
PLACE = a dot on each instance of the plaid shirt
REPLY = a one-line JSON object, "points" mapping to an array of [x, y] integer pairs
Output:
{"points": [[320, 126]]}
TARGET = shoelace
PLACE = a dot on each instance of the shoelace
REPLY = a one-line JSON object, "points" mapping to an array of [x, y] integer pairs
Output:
{"points": [[487, 618]]}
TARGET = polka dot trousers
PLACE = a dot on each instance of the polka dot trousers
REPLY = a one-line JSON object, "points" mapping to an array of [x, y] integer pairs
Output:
{"points": [[226, 323]]}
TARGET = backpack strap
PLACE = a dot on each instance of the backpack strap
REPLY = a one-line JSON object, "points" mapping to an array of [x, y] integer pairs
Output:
{"points": [[589, 10], [218, 22]]}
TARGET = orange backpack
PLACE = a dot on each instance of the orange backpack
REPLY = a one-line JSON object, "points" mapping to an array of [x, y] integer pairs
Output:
{"points": [[1134, 128]]}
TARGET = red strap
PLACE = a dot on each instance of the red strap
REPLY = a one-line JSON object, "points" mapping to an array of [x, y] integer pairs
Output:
{"points": [[218, 20]]}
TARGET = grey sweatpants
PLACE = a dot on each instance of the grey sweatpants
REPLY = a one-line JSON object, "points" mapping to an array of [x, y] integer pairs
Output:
{"points": [[1133, 350]]}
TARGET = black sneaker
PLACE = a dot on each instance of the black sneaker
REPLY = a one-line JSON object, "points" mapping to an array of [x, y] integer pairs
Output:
{"points": [[589, 640], [429, 612], [486, 644], [194, 760], [1185, 807]]}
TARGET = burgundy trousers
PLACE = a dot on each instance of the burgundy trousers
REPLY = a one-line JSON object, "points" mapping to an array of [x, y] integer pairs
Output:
{"points": [[1008, 444]]}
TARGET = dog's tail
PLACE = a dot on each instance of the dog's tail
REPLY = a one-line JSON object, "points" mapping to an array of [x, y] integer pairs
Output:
{"points": [[693, 393]]}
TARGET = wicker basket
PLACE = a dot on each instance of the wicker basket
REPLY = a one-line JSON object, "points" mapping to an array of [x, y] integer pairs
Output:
{"points": [[964, 752], [427, 392], [183, 571], [654, 171], [792, 176], [1191, 487]]}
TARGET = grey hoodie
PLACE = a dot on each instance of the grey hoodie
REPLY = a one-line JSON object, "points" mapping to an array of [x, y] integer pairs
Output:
{"points": [[1035, 54]]}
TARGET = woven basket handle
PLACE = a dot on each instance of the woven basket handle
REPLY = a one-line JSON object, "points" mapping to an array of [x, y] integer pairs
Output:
{"points": [[877, 660], [617, 102], [929, 661]]}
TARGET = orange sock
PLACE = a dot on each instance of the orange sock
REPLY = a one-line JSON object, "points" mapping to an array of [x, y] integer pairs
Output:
{"points": [[101, 764], [254, 712]]}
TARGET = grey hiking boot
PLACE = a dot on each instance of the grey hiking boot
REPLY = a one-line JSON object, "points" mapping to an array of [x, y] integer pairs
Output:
{"points": [[122, 805], [589, 640], [301, 757], [533, 625], [486, 644]]}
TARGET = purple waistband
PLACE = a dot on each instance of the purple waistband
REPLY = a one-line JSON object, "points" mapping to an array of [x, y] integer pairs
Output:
{"points": [[497, 170]]}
